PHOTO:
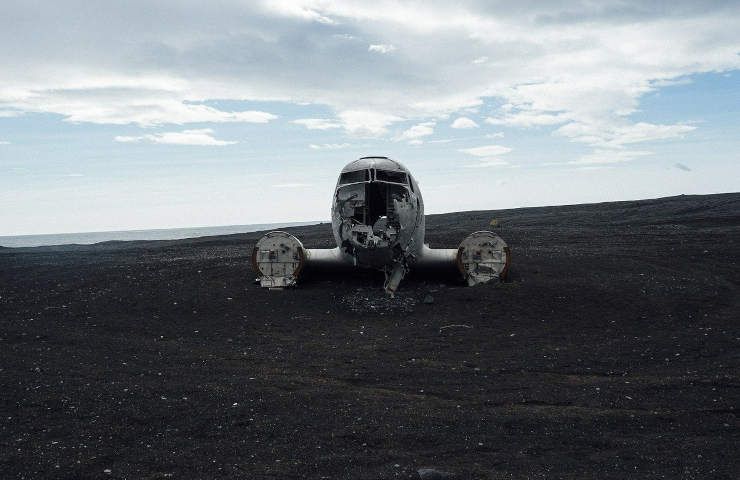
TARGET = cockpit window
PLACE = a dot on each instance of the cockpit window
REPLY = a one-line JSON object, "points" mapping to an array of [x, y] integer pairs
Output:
{"points": [[392, 177], [354, 177]]}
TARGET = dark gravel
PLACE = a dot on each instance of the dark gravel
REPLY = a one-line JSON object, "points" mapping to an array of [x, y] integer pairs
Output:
{"points": [[612, 352]]}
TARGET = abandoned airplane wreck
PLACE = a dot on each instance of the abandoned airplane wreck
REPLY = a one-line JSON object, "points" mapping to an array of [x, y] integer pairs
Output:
{"points": [[377, 217]]}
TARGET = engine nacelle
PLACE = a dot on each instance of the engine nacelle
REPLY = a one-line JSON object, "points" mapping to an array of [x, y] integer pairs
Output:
{"points": [[278, 258], [482, 257]]}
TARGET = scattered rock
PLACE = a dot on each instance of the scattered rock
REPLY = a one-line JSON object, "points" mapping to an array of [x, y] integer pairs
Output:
{"points": [[378, 302], [433, 474], [428, 299]]}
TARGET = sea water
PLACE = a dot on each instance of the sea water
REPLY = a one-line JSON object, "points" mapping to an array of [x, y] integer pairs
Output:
{"points": [[86, 238]]}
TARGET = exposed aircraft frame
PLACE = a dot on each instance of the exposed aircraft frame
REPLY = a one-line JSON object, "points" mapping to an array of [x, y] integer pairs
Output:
{"points": [[377, 219]]}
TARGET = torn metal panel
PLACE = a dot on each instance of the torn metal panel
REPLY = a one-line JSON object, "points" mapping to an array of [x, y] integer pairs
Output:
{"points": [[393, 277], [378, 214]]}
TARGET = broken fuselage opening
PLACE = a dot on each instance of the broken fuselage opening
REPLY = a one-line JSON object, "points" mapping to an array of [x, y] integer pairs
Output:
{"points": [[378, 203], [378, 212]]}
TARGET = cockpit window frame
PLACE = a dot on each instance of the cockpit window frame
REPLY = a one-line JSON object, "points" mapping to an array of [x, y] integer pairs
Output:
{"points": [[347, 178], [387, 176]]}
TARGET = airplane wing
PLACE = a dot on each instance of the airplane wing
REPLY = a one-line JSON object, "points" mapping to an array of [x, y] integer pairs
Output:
{"points": [[279, 258]]}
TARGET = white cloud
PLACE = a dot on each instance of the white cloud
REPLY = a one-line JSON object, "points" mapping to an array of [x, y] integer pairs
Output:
{"points": [[4, 142], [486, 150], [464, 122], [317, 123], [9, 113], [488, 162], [202, 136], [619, 135], [381, 48], [495, 135], [414, 134], [304, 12], [528, 119], [600, 156], [553, 63], [366, 123], [146, 102], [328, 146]]}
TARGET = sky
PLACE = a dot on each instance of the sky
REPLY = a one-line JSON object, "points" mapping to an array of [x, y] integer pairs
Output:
{"points": [[157, 114]]}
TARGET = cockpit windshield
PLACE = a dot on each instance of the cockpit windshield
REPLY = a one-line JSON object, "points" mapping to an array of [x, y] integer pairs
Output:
{"points": [[387, 176], [391, 177], [354, 177]]}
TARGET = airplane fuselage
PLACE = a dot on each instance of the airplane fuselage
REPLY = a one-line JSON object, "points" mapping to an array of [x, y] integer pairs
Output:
{"points": [[378, 213]]}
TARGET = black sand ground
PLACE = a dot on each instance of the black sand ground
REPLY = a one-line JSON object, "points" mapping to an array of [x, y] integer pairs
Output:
{"points": [[612, 353]]}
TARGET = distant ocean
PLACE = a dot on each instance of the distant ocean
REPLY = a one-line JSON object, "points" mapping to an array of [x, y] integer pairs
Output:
{"points": [[87, 238]]}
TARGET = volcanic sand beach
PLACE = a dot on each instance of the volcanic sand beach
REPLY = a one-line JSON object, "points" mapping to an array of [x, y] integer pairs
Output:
{"points": [[611, 352]]}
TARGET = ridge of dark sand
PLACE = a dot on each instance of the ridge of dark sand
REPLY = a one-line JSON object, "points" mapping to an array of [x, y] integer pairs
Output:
{"points": [[612, 353]]}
